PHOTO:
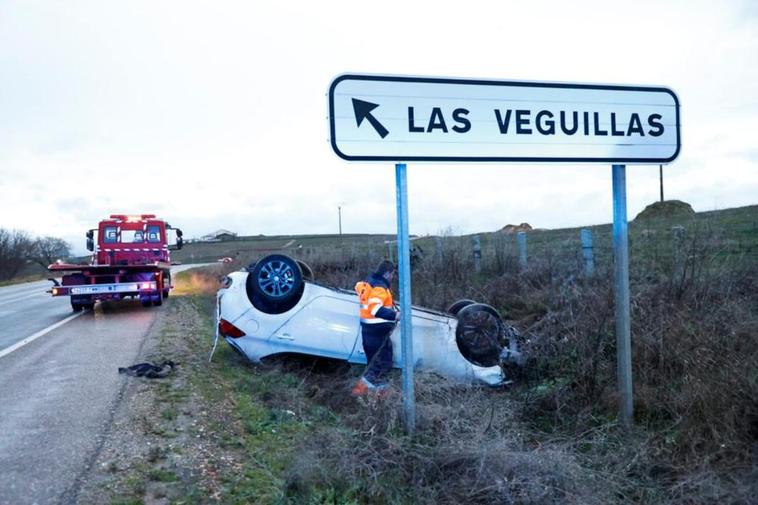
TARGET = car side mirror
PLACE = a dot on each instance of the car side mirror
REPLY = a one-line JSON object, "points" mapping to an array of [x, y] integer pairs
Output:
{"points": [[179, 242], [90, 241]]}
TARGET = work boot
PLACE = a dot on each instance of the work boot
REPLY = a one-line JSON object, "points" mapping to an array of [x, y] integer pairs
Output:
{"points": [[362, 387]]}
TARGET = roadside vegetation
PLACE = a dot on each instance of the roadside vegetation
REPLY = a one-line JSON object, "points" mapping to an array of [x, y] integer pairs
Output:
{"points": [[23, 257], [289, 432]]}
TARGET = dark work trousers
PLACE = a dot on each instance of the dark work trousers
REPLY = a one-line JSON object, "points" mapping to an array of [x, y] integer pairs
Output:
{"points": [[378, 348]]}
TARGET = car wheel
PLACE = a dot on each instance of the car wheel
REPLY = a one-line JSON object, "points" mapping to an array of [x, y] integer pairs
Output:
{"points": [[306, 269], [479, 334], [275, 284], [456, 306]]}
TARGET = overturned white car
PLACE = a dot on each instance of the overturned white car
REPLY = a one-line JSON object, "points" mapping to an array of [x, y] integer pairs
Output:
{"points": [[275, 307]]}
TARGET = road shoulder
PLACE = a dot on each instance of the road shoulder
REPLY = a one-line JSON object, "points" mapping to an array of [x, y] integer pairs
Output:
{"points": [[160, 447]]}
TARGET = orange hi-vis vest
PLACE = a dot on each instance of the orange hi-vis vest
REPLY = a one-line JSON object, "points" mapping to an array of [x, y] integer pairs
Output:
{"points": [[372, 299]]}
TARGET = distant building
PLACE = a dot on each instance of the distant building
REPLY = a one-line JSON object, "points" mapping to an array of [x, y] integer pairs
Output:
{"points": [[219, 236]]}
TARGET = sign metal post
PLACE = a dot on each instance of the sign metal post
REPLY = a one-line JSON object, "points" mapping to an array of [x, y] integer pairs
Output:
{"points": [[404, 281], [621, 291]]}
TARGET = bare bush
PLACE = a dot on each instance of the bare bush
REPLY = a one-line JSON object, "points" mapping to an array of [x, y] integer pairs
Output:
{"points": [[695, 360], [15, 249], [47, 250], [469, 449]]}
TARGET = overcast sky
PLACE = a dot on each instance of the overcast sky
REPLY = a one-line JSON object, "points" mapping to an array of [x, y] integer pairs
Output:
{"points": [[214, 114]]}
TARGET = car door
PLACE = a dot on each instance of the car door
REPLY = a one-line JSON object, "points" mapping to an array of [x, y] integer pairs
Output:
{"points": [[326, 324]]}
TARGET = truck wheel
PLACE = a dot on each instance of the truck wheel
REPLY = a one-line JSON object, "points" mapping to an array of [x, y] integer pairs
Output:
{"points": [[76, 307], [276, 284], [89, 306], [479, 334], [167, 283], [456, 306], [146, 302], [158, 300]]}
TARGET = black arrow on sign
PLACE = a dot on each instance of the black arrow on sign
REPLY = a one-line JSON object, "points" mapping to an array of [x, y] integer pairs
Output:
{"points": [[363, 111]]}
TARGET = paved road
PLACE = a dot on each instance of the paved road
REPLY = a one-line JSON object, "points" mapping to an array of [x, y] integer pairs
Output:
{"points": [[26, 309], [58, 392]]}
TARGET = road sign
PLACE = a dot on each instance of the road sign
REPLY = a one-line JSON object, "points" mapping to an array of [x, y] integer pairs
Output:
{"points": [[385, 118]]}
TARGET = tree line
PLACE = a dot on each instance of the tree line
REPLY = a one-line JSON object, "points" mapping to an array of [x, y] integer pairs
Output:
{"points": [[18, 248]]}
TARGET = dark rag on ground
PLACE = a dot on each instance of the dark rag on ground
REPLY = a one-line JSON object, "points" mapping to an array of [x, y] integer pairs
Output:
{"points": [[149, 370]]}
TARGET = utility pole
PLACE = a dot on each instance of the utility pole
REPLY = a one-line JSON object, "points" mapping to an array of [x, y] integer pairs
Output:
{"points": [[660, 167], [339, 212]]}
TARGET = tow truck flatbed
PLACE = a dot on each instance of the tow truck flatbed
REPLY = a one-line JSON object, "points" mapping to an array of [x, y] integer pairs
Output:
{"points": [[73, 267]]}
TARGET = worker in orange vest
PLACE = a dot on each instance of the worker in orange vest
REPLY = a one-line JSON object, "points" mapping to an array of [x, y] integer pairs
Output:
{"points": [[378, 320]]}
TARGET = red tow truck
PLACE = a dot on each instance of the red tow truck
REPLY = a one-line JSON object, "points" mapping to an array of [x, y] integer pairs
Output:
{"points": [[131, 261]]}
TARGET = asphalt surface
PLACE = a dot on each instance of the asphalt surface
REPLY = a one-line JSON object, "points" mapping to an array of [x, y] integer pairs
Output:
{"points": [[26, 309], [59, 391]]}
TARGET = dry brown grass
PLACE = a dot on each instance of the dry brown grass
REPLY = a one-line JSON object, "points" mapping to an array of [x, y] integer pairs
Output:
{"points": [[202, 280], [695, 372], [469, 448]]}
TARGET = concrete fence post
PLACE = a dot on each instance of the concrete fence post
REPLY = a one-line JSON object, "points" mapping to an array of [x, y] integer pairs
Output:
{"points": [[438, 249], [477, 254], [587, 252], [678, 253], [522, 257]]}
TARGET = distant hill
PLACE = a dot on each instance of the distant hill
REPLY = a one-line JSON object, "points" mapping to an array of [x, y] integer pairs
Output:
{"points": [[740, 225]]}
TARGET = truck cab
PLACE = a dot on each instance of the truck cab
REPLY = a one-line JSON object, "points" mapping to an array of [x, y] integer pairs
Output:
{"points": [[132, 240]]}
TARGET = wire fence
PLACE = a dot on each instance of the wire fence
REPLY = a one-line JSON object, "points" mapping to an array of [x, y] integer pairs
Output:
{"points": [[723, 238], [661, 245]]}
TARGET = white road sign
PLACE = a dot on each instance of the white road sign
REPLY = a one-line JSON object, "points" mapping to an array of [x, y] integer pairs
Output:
{"points": [[375, 118]]}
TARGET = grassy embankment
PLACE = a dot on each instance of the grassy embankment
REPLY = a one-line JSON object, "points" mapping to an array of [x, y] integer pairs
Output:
{"points": [[290, 433]]}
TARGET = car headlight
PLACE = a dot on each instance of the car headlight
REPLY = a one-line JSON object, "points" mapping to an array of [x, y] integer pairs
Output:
{"points": [[226, 282]]}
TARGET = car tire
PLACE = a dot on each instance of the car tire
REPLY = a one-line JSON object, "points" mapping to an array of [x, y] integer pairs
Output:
{"points": [[479, 334], [276, 284], [456, 306]]}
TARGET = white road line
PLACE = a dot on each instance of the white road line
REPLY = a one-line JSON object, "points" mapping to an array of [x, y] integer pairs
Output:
{"points": [[37, 335], [21, 298]]}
